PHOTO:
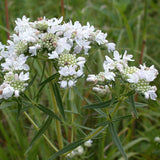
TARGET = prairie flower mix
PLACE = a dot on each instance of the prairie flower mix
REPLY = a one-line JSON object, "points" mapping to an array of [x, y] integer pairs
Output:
{"points": [[64, 47]]}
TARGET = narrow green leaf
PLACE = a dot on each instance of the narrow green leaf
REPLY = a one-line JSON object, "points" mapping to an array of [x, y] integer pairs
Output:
{"points": [[25, 97], [138, 104], [19, 107], [114, 120], [101, 104], [117, 140], [44, 66], [102, 123], [48, 111], [67, 148], [40, 132], [7, 104], [49, 79], [31, 82], [102, 114], [120, 118], [58, 99], [130, 93], [39, 91], [131, 98]]}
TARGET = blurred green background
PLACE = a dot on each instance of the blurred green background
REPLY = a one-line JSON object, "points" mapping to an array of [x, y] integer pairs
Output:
{"points": [[129, 23]]}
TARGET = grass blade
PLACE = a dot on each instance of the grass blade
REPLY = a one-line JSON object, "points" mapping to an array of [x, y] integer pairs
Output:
{"points": [[40, 132], [7, 104], [58, 99], [31, 82], [117, 140], [49, 79], [101, 104], [48, 111], [67, 148], [133, 105]]}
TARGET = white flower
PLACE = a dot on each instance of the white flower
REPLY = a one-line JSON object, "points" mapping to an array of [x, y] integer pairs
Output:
{"points": [[8, 92], [62, 45], [100, 37], [71, 83], [82, 45], [133, 78], [157, 139], [81, 61], [109, 75], [150, 94], [66, 71], [72, 154], [148, 73], [127, 57], [63, 84], [33, 49], [79, 150], [53, 55], [111, 47], [117, 56], [22, 24], [24, 77], [88, 143], [16, 93], [91, 78]]}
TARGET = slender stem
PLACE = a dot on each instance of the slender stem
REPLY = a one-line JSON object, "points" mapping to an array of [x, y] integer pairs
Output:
{"points": [[64, 95], [90, 136], [72, 117], [58, 125], [37, 128], [7, 18], [116, 108], [62, 8], [144, 31]]}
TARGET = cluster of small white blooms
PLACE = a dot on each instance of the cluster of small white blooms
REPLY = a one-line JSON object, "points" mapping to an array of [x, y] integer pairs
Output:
{"points": [[13, 84], [80, 149], [67, 43], [15, 69], [70, 68], [139, 78]]}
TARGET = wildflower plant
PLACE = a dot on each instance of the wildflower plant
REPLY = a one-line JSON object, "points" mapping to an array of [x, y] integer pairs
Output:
{"points": [[64, 48]]}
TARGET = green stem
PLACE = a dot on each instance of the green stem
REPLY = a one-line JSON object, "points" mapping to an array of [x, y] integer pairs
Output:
{"points": [[71, 98], [58, 125], [90, 136], [116, 108], [37, 128]]}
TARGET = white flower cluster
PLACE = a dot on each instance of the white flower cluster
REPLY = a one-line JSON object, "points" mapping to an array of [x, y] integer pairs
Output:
{"points": [[67, 44], [80, 149], [138, 78], [157, 139], [15, 72]]}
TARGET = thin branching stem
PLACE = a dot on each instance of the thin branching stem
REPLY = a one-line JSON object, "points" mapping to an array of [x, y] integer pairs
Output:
{"points": [[37, 128], [58, 125]]}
